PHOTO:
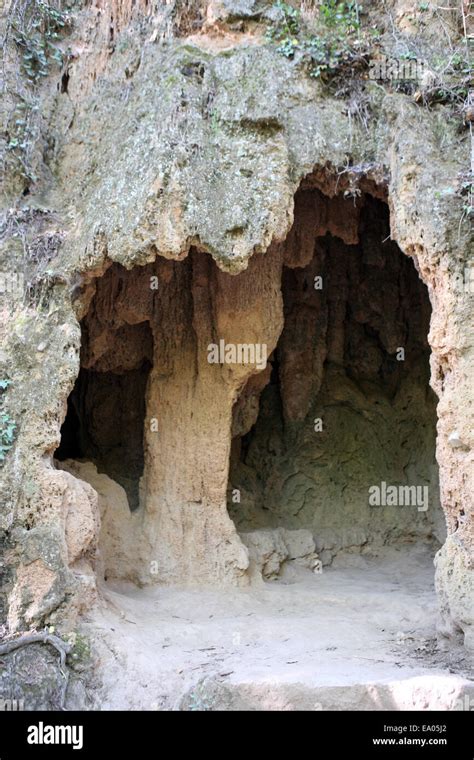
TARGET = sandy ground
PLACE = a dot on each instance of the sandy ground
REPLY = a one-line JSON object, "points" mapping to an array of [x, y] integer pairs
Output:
{"points": [[361, 635]]}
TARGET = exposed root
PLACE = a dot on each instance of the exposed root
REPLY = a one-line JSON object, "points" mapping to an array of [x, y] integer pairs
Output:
{"points": [[62, 647]]}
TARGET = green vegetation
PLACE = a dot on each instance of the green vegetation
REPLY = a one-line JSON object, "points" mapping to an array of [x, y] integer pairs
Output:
{"points": [[32, 33], [337, 45], [7, 424], [36, 28], [336, 49], [80, 653]]}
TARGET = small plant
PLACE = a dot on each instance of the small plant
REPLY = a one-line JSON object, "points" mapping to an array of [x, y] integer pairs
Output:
{"points": [[338, 15], [200, 700], [80, 653], [32, 32], [452, 79], [7, 424], [287, 30], [334, 47], [36, 31]]}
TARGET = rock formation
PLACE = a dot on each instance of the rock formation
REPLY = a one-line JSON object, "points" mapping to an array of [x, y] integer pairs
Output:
{"points": [[194, 185]]}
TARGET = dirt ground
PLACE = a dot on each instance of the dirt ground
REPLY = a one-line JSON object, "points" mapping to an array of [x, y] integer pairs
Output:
{"points": [[361, 635]]}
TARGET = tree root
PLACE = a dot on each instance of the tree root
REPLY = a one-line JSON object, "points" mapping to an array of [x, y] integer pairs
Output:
{"points": [[43, 638]]}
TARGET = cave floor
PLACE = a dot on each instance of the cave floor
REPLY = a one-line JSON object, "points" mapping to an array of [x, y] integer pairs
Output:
{"points": [[361, 635]]}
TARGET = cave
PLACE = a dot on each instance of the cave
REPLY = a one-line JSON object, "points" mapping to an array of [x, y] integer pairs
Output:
{"points": [[104, 424], [213, 453], [348, 406], [106, 408]]}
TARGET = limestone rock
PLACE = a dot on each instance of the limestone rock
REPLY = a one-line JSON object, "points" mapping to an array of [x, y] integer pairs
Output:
{"points": [[266, 550], [173, 139], [270, 549], [118, 538], [455, 587]]}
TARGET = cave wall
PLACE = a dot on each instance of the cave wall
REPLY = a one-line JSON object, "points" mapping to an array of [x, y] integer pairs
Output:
{"points": [[106, 409]]}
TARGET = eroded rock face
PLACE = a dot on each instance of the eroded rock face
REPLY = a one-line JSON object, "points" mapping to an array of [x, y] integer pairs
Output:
{"points": [[205, 144], [183, 532], [269, 550], [57, 554], [119, 535], [351, 303], [454, 585]]}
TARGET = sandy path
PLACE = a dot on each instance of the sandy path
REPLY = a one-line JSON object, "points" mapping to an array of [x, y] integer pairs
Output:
{"points": [[361, 635]]}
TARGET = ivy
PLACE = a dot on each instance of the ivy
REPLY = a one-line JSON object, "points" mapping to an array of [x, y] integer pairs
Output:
{"points": [[336, 45], [33, 31], [286, 32], [36, 32], [340, 15], [7, 424]]}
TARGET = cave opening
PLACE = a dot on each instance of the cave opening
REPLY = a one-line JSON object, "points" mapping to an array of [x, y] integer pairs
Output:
{"points": [[286, 457], [346, 405], [104, 425], [106, 409]]}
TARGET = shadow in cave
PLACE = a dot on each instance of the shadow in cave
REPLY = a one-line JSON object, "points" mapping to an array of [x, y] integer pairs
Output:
{"points": [[104, 424], [348, 403]]}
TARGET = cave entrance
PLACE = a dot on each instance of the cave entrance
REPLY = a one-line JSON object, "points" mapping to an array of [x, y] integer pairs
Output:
{"points": [[106, 410], [149, 414], [104, 425], [342, 407], [347, 405]]}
